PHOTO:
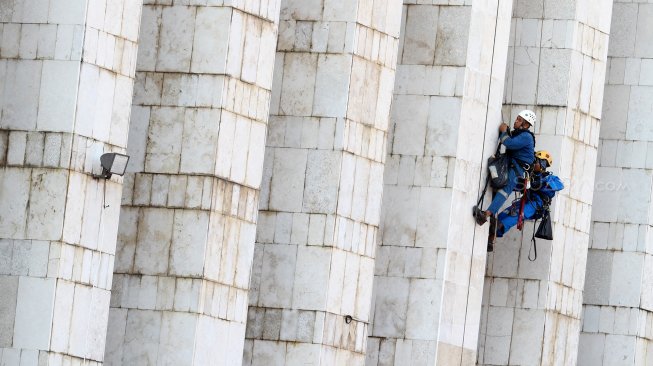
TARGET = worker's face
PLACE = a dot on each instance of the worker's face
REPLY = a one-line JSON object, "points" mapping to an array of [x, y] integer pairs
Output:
{"points": [[520, 123], [537, 167]]}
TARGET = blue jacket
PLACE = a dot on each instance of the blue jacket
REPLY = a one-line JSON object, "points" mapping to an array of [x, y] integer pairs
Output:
{"points": [[520, 147], [544, 186]]}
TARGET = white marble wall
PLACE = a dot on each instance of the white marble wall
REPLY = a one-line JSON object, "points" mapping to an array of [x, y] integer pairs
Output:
{"points": [[207, 81], [617, 304], [447, 107], [189, 208], [557, 60], [322, 184], [66, 80]]}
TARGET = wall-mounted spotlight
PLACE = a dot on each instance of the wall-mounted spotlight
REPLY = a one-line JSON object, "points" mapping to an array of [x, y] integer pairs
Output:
{"points": [[112, 163]]}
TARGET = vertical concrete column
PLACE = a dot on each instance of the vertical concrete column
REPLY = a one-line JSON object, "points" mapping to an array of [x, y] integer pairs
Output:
{"points": [[323, 178], [189, 209], [66, 80], [431, 258], [556, 65], [618, 297]]}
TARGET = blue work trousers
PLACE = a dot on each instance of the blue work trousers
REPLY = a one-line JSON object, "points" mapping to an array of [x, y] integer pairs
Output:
{"points": [[502, 195], [509, 217]]}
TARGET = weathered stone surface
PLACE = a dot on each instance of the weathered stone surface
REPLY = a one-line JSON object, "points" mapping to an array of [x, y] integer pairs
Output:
{"points": [[569, 60], [66, 77], [425, 299], [616, 304], [322, 183], [185, 248], [339, 172]]}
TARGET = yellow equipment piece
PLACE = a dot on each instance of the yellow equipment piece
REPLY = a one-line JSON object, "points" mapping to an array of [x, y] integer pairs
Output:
{"points": [[543, 154]]}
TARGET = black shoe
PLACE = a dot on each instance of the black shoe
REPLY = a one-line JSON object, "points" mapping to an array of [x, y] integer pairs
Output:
{"points": [[490, 246], [479, 215]]}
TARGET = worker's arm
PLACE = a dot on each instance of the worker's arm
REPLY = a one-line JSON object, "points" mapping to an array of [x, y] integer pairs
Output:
{"points": [[518, 142]]}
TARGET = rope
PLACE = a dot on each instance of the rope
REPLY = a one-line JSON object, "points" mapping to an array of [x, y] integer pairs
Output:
{"points": [[533, 244], [481, 199], [479, 203]]}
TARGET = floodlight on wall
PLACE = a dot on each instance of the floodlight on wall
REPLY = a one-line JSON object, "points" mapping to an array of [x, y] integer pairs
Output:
{"points": [[112, 163]]}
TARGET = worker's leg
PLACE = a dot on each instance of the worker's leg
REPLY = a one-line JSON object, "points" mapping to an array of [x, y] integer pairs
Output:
{"points": [[503, 194], [508, 221], [530, 209], [491, 234]]}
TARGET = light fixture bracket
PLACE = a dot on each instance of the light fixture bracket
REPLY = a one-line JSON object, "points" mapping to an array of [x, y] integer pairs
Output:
{"points": [[112, 163]]}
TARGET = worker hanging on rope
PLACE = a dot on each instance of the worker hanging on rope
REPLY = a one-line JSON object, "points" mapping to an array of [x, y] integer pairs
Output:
{"points": [[520, 148], [536, 201]]}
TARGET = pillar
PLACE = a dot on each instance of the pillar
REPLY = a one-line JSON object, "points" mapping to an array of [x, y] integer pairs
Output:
{"points": [[66, 81], [189, 209], [618, 297], [319, 209], [556, 67], [446, 111]]}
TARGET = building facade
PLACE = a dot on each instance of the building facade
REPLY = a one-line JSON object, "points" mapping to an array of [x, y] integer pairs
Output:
{"points": [[301, 179]]}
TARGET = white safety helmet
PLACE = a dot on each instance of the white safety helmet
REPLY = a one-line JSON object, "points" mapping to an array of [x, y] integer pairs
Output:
{"points": [[529, 116]]}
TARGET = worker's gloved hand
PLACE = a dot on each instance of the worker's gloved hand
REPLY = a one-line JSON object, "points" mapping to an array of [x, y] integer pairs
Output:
{"points": [[503, 127]]}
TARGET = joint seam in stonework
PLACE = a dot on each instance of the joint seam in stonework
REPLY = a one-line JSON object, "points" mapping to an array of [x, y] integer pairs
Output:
{"points": [[29, 200], [78, 78], [245, 12], [5, 151], [215, 181], [224, 74], [139, 218], [326, 341], [193, 175]]}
